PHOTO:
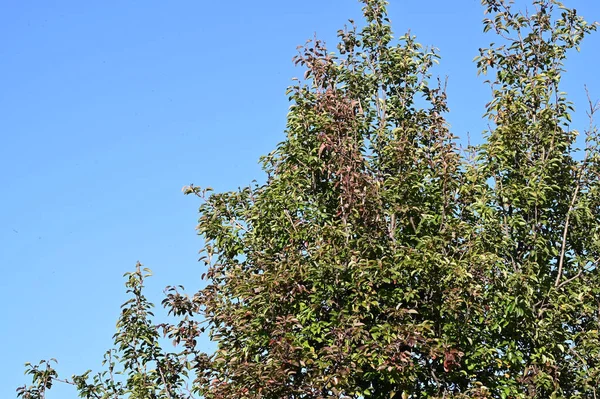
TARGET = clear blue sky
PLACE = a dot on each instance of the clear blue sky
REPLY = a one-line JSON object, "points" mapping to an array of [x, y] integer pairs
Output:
{"points": [[108, 108]]}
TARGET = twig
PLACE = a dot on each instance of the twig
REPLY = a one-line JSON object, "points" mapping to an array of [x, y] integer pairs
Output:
{"points": [[563, 246], [567, 281]]}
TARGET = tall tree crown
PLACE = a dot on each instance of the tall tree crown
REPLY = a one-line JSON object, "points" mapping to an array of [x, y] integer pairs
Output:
{"points": [[381, 260]]}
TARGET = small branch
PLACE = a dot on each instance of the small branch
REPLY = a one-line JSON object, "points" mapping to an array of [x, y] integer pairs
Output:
{"points": [[563, 246], [234, 222], [164, 381], [567, 281], [392, 228], [287, 213], [592, 111]]}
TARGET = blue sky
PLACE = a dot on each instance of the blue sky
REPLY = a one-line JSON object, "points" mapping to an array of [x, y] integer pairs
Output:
{"points": [[109, 108]]}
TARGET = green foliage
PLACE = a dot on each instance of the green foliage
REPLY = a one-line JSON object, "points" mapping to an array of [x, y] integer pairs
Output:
{"points": [[137, 368], [379, 259]]}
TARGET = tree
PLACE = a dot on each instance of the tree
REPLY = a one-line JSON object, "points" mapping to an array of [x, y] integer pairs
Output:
{"points": [[379, 259]]}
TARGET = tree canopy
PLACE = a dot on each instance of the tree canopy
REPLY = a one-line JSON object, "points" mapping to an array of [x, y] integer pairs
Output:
{"points": [[381, 258]]}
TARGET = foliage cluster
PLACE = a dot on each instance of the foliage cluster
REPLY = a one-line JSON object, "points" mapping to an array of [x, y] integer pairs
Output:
{"points": [[380, 259]]}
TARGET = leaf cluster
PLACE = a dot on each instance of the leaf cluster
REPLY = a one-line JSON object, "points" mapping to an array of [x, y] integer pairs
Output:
{"points": [[380, 259]]}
